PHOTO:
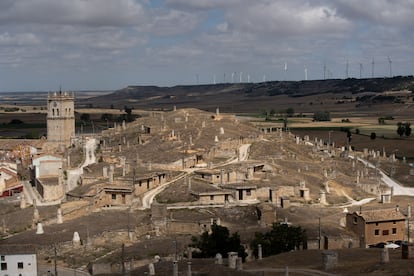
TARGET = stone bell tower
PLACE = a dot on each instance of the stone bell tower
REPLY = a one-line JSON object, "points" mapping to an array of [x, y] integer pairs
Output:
{"points": [[60, 118]]}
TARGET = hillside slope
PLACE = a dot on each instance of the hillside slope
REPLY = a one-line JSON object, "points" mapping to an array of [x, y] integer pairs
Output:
{"points": [[252, 97]]}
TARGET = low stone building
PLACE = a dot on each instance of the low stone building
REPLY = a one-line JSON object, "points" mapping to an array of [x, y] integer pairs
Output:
{"points": [[50, 188], [243, 192], [47, 176], [281, 193], [210, 176], [376, 226], [114, 196], [213, 197], [147, 182]]}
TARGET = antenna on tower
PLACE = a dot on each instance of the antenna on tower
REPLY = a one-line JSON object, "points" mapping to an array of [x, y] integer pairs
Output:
{"points": [[390, 63], [361, 68], [372, 67], [306, 73]]}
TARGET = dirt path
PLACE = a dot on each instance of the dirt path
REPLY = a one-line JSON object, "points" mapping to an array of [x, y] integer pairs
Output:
{"points": [[149, 196]]}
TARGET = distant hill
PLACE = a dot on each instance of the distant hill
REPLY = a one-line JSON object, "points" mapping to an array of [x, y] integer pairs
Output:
{"points": [[252, 97]]}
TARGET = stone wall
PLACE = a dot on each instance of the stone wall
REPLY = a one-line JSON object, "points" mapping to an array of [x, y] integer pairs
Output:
{"points": [[186, 227], [49, 168], [263, 194], [53, 192]]}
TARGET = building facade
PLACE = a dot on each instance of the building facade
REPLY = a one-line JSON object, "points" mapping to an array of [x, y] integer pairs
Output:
{"points": [[18, 260], [60, 118], [377, 226]]}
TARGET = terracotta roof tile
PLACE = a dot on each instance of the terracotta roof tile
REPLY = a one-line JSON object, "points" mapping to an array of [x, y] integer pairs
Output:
{"points": [[381, 215]]}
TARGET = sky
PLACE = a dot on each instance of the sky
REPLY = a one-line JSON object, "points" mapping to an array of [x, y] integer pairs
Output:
{"points": [[110, 44]]}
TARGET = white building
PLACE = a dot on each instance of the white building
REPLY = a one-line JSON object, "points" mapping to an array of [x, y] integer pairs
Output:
{"points": [[18, 261]]}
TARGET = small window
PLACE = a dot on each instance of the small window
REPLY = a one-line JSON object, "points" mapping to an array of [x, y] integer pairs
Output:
{"points": [[113, 196], [376, 232], [3, 266], [20, 265], [355, 220], [248, 192], [385, 232], [394, 222], [376, 224], [394, 231], [2, 258], [211, 197]]}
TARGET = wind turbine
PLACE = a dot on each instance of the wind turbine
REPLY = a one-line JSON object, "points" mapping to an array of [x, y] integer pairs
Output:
{"points": [[306, 73], [372, 67], [324, 70], [361, 68], [347, 69], [286, 67], [248, 78], [197, 79], [214, 79], [390, 63], [241, 74], [232, 77], [264, 78]]}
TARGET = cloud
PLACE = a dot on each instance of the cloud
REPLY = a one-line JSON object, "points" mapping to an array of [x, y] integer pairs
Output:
{"points": [[73, 12], [288, 18], [383, 12], [180, 37], [170, 22], [23, 39], [205, 4]]}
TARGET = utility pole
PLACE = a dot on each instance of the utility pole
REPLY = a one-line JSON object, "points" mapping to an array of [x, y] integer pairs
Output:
{"points": [[55, 259], [123, 258], [319, 234]]}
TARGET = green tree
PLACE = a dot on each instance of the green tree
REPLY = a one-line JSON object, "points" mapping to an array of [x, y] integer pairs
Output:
{"points": [[290, 112], [400, 129], [321, 116], [407, 129], [281, 238], [106, 117], [348, 135], [15, 122], [219, 241], [85, 117]]}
